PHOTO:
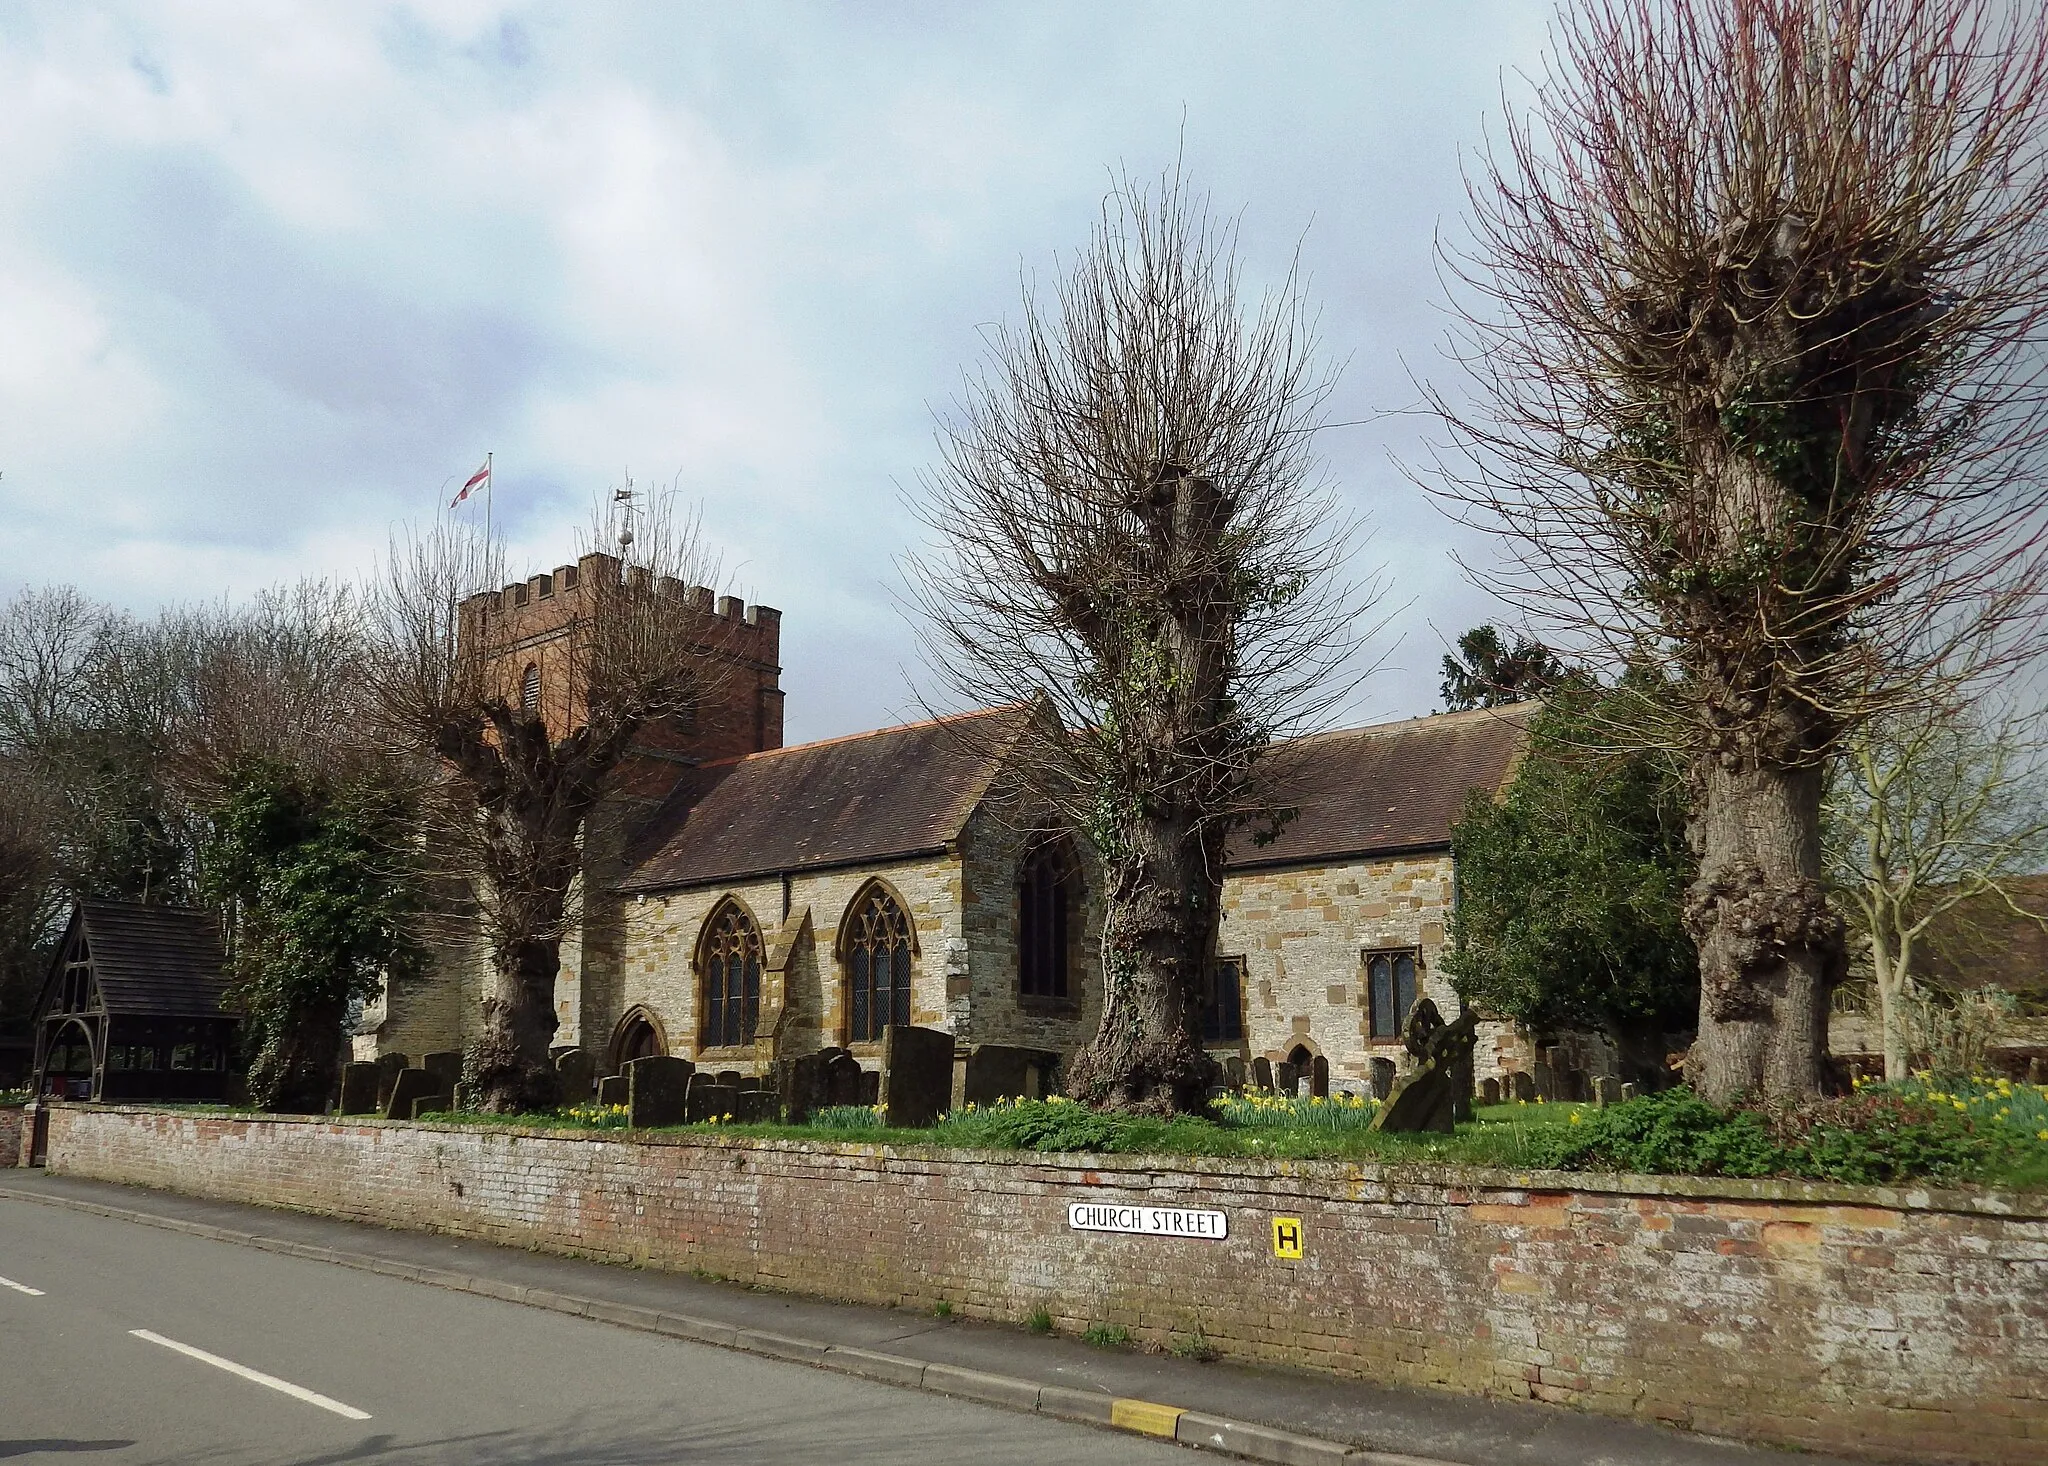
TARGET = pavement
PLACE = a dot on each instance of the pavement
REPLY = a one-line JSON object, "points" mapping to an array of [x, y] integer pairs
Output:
{"points": [[520, 1356]]}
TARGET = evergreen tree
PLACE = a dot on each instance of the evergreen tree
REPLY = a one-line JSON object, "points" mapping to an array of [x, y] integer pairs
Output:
{"points": [[1571, 888]]}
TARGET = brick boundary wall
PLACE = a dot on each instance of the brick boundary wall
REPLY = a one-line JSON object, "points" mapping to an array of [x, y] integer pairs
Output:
{"points": [[1893, 1324], [10, 1134]]}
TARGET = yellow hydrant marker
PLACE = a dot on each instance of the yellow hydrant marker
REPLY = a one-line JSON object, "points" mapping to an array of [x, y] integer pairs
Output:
{"points": [[1287, 1238], [1144, 1416]]}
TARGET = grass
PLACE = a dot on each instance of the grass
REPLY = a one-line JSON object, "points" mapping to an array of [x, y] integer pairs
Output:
{"points": [[1986, 1132], [1106, 1335], [1040, 1321], [942, 1309], [1195, 1346]]}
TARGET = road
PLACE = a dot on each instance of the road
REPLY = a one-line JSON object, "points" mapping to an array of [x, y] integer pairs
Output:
{"points": [[143, 1345]]}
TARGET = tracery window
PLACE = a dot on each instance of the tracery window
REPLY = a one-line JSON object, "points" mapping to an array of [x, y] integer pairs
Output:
{"points": [[877, 956], [1046, 891], [731, 960], [1390, 985]]}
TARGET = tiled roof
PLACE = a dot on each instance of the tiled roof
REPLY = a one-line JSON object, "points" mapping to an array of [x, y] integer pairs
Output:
{"points": [[1393, 787], [1984, 942], [154, 960], [877, 796]]}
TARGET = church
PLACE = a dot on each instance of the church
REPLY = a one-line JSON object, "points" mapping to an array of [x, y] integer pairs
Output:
{"points": [[745, 902]]}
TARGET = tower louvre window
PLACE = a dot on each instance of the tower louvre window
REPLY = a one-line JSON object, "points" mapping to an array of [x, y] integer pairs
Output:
{"points": [[529, 688]]}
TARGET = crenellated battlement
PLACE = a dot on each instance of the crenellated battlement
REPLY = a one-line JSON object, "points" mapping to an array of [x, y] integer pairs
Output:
{"points": [[533, 629], [544, 605]]}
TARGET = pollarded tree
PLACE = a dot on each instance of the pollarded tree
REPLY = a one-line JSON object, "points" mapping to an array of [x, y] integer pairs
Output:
{"points": [[522, 774], [1758, 296], [1126, 533]]}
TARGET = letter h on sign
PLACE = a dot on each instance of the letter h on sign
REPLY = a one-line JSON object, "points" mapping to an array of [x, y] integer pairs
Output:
{"points": [[1287, 1238]]}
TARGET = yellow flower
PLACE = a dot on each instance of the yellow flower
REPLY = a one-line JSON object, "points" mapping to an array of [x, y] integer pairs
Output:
{"points": [[2042, 1136], [1575, 1117]]}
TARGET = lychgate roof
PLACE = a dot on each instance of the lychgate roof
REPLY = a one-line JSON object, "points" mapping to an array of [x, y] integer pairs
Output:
{"points": [[152, 960], [1385, 789], [886, 795]]}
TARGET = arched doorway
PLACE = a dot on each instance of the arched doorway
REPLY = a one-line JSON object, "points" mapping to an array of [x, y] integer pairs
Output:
{"points": [[638, 1036]]}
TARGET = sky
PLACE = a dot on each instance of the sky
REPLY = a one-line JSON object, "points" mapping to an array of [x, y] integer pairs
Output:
{"points": [[274, 277]]}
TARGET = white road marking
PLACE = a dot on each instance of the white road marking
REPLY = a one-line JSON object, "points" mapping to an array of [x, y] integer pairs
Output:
{"points": [[282, 1386], [21, 1287]]}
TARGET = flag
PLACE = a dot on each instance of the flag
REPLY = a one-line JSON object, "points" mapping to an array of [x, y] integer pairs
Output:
{"points": [[481, 476]]}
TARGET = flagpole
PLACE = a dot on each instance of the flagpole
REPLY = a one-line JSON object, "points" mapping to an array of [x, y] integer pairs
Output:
{"points": [[490, 483]]}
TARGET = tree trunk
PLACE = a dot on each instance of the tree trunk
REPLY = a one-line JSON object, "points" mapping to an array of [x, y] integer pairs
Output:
{"points": [[1158, 934], [1770, 946], [1890, 971], [509, 1071]]}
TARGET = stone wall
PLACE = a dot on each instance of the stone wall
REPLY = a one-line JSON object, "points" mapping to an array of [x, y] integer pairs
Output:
{"points": [[1901, 1325], [659, 943], [987, 1006], [11, 1129], [1303, 932]]}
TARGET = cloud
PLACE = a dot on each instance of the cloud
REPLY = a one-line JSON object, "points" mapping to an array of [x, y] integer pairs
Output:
{"points": [[270, 275]]}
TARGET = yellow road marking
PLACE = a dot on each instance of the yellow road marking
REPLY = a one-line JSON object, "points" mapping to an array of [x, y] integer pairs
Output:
{"points": [[1144, 1416]]}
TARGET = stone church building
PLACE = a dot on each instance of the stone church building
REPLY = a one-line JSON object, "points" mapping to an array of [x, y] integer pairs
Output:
{"points": [[746, 902]]}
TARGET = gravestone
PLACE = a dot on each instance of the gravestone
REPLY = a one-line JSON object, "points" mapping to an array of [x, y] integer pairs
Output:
{"points": [[1233, 1074], [1285, 1079], [611, 1090], [411, 1086], [871, 1086], [1606, 1090], [1576, 1086], [1004, 1071], [1262, 1073], [1523, 1086], [1545, 1082], [1489, 1092], [801, 1082], [358, 1090], [706, 1100], [917, 1074], [656, 1087], [843, 1079], [578, 1071], [1383, 1072], [753, 1106], [731, 1078], [1319, 1078], [1427, 1100], [388, 1067], [1628, 1092], [445, 1066], [2037, 1070]]}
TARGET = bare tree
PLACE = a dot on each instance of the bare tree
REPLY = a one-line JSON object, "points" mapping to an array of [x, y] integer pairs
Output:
{"points": [[1755, 321], [1930, 815], [1126, 532], [521, 777]]}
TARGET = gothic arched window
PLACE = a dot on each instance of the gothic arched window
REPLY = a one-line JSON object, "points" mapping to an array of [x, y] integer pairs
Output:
{"points": [[876, 950], [1047, 886], [529, 688], [730, 959]]}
